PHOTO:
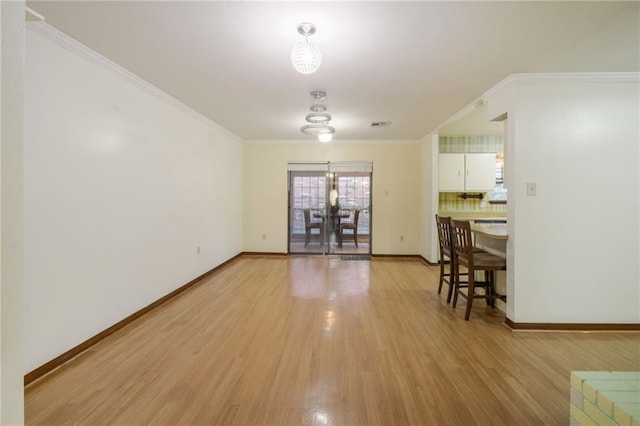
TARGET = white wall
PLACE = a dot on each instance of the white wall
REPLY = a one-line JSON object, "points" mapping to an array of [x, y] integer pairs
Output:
{"points": [[11, 191], [429, 244], [575, 245], [122, 184], [396, 191]]}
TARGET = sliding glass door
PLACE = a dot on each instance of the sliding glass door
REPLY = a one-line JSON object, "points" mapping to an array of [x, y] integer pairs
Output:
{"points": [[307, 209], [330, 208]]}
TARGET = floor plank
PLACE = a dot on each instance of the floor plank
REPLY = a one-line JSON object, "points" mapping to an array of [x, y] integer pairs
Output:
{"points": [[323, 341]]}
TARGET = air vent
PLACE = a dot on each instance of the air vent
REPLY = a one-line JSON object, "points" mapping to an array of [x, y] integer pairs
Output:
{"points": [[381, 124]]}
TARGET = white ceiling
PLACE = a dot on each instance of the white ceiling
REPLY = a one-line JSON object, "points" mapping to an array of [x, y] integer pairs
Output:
{"points": [[472, 121], [412, 63]]}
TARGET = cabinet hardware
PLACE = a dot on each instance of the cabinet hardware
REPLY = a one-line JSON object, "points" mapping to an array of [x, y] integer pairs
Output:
{"points": [[464, 196]]}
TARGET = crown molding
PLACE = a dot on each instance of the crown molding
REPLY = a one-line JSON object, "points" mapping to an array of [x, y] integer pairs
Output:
{"points": [[61, 39], [602, 77], [588, 76], [31, 15], [333, 143]]}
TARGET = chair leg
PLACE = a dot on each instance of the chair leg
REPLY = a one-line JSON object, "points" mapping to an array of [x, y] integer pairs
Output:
{"points": [[452, 281], [470, 293], [487, 289], [456, 284], [492, 288], [355, 237], [307, 237], [441, 274]]}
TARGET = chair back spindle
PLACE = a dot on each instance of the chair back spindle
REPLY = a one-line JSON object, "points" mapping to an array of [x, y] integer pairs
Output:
{"points": [[462, 241]]}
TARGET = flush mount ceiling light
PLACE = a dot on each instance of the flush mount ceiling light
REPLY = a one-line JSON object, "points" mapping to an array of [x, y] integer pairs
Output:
{"points": [[306, 56], [318, 116]]}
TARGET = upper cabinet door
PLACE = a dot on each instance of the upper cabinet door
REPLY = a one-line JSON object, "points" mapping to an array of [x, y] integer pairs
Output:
{"points": [[480, 172], [451, 172]]}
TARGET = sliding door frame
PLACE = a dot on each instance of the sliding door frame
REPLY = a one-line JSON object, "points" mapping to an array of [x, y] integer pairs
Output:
{"points": [[319, 214]]}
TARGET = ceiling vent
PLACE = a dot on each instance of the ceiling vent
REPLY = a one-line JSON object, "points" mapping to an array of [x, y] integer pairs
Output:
{"points": [[381, 124]]}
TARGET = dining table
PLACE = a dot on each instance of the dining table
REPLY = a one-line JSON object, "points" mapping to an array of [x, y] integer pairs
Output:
{"points": [[491, 237], [336, 219], [497, 231]]}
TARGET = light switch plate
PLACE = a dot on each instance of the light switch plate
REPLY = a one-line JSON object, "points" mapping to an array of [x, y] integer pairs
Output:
{"points": [[531, 189]]}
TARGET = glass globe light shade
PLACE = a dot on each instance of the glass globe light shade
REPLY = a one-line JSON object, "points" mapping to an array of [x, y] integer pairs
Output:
{"points": [[306, 56]]}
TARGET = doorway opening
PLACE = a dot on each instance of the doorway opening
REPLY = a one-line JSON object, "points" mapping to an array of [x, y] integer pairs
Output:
{"points": [[330, 208]]}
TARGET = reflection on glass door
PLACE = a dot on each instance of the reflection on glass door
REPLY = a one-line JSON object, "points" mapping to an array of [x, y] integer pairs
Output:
{"points": [[354, 189], [330, 209], [307, 202]]}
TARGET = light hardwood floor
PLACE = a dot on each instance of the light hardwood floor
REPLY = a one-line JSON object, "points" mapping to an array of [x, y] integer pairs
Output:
{"points": [[322, 341]]}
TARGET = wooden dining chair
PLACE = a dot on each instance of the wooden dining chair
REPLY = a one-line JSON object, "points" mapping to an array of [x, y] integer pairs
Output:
{"points": [[352, 226], [446, 255], [309, 226], [474, 261]]}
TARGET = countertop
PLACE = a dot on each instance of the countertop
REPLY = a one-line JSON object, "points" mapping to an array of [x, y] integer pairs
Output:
{"points": [[473, 215], [496, 231]]}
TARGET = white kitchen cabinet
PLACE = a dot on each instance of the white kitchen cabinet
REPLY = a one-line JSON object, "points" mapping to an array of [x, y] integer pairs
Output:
{"points": [[451, 172], [467, 172]]}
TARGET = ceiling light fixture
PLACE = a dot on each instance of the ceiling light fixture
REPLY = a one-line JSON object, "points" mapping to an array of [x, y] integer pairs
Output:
{"points": [[317, 129], [319, 119], [318, 116], [319, 95], [325, 137], [306, 56]]}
